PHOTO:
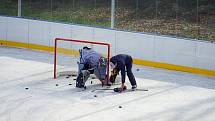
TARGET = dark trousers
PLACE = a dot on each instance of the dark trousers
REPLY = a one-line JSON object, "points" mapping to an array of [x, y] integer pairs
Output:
{"points": [[129, 72]]}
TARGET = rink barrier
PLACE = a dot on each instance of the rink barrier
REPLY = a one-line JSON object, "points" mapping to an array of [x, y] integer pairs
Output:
{"points": [[38, 47], [175, 67], [136, 61]]}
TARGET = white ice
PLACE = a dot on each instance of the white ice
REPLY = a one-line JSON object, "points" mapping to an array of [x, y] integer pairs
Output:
{"points": [[28, 92]]}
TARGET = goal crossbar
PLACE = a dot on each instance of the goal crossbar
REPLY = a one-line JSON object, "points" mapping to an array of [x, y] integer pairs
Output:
{"points": [[79, 41]]}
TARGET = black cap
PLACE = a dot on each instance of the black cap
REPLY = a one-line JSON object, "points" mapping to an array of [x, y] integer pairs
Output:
{"points": [[85, 47]]}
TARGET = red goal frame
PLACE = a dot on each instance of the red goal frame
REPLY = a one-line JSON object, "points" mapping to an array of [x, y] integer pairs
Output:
{"points": [[79, 41]]}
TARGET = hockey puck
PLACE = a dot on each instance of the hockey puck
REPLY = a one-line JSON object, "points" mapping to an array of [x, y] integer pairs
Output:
{"points": [[26, 88], [74, 79], [91, 82], [138, 69], [70, 84], [67, 76], [93, 77], [120, 106], [95, 95], [74, 75], [56, 84]]}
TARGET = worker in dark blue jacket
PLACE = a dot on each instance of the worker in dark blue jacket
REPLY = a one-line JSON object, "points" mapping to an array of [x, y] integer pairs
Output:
{"points": [[123, 63]]}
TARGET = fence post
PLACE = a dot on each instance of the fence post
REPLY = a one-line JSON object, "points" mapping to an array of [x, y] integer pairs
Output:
{"points": [[19, 8], [112, 13]]}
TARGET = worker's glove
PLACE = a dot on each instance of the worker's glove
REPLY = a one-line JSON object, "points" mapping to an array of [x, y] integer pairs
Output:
{"points": [[114, 72]]}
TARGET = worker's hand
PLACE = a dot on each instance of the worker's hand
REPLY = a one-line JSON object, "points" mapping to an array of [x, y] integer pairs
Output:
{"points": [[123, 87], [114, 72]]}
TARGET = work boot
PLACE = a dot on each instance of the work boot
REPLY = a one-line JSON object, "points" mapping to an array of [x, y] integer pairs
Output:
{"points": [[134, 87], [106, 83]]}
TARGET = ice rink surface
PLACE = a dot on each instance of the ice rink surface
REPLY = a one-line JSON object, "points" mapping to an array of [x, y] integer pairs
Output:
{"points": [[28, 92]]}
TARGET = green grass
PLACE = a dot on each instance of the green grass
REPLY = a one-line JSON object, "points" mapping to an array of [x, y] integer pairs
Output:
{"points": [[8, 8]]}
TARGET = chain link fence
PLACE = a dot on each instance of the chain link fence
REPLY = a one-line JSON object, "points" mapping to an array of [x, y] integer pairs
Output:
{"points": [[181, 18]]}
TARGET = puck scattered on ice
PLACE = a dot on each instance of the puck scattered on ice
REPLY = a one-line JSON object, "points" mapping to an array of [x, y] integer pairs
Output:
{"points": [[120, 106], [70, 84], [74, 79], [73, 75], [91, 82], [26, 88], [67, 76], [56, 85], [138, 69], [95, 95], [93, 77]]}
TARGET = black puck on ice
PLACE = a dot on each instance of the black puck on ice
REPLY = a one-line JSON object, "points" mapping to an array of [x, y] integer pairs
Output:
{"points": [[74, 75], [91, 82], [26, 88], [74, 79], [93, 77], [70, 84], [138, 69], [120, 106], [56, 84], [95, 95]]}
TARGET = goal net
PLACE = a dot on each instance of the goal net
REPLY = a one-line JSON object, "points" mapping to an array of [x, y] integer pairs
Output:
{"points": [[66, 55]]}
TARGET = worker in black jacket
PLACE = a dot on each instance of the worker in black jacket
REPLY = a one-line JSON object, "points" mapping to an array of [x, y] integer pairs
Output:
{"points": [[123, 63]]}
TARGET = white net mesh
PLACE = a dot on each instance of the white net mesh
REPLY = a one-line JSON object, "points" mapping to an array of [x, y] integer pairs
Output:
{"points": [[67, 56]]}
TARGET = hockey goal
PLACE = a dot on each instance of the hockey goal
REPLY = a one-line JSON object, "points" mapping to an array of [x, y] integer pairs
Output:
{"points": [[66, 54]]}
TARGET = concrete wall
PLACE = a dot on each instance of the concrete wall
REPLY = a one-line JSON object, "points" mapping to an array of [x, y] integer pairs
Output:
{"points": [[183, 52]]}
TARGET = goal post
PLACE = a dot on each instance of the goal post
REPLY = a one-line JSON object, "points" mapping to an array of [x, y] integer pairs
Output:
{"points": [[56, 49]]}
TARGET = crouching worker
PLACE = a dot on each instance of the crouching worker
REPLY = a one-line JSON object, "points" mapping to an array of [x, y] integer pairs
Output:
{"points": [[123, 63], [91, 62]]}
